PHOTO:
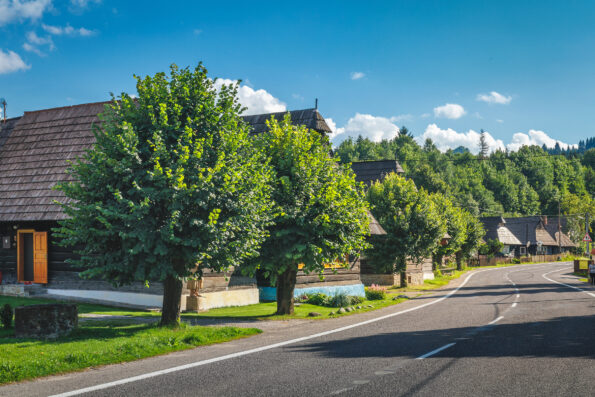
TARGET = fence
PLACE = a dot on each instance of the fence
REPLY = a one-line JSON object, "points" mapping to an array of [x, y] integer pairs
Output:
{"points": [[484, 260]]}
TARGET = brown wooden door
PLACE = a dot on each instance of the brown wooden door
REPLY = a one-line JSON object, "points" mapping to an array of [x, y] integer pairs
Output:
{"points": [[40, 257]]}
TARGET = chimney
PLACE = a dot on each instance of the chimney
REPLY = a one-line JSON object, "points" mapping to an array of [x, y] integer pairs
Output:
{"points": [[544, 220]]}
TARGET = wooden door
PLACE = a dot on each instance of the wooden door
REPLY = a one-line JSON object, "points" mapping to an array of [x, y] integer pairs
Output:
{"points": [[40, 257]]}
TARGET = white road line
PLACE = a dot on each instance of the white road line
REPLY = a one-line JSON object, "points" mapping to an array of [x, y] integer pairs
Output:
{"points": [[514, 304], [518, 295], [262, 348], [566, 285], [435, 351], [496, 320]]}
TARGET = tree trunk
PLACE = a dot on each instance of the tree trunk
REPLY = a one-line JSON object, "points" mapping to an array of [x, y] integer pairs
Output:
{"points": [[172, 296], [285, 288], [459, 259]]}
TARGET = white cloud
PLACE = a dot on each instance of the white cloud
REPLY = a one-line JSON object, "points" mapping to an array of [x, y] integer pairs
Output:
{"points": [[257, 101], [10, 62], [31, 48], [357, 75], [66, 30], [373, 127], [534, 137], [494, 97], [401, 117], [18, 10], [451, 139], [499, 121], [82, 4], [449, 111]]}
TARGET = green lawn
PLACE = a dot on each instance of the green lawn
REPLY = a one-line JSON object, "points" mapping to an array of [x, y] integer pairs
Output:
{"points": [[102, 342]]}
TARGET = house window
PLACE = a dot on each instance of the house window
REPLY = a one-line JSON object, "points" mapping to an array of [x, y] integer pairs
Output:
{"points": [[523, 250]]}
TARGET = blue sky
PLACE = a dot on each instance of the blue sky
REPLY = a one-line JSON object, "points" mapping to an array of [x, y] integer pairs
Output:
{"points": [[522, 70]]}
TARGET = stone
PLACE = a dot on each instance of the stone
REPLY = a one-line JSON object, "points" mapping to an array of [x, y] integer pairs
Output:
{"points": [[314, 314], [403, 297], [358, 307], [341, 310], [348, 309], [370, 306], [331, 314], [45, 321]]}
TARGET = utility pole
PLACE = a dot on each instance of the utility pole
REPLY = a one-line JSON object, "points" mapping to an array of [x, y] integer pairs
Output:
{"points": [[587, 233], [559, 229]]}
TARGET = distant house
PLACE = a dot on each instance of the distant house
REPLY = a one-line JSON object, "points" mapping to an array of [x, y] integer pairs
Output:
{"points": [[529, 235], [34, 153], [369, 172]]}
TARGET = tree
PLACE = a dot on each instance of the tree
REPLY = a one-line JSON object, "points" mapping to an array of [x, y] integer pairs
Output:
{"points": [[411, 220], [455, 227], [491, 247], [320, 212], [171, 186], [484, 147], [473, 234]]}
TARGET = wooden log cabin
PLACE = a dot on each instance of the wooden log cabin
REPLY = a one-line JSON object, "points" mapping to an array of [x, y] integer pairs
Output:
{"points": [[34, 153]]}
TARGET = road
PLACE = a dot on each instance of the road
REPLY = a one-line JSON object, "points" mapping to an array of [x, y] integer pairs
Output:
{"points": [[517, 331]]}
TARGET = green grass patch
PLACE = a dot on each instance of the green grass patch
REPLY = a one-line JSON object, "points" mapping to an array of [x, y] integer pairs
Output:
{"points": [[101, 342]]}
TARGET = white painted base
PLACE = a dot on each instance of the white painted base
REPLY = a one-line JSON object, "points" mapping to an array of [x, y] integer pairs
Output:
{"points": [[428, 275], [130, 298]]}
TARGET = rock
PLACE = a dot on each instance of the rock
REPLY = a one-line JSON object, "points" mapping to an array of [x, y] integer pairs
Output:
{"points": [[331, 314], [45, 321], [370, 306], [403, 297], [341, 310], [358, 307], [314, 314], [348, 309]]}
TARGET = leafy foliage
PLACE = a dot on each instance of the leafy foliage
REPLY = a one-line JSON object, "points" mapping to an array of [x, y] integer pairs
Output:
{"points": [[6, 315], [375, 292], [491, 247]]}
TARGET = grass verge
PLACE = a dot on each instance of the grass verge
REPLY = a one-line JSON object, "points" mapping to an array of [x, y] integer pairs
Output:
{"points": [[99, 343]]}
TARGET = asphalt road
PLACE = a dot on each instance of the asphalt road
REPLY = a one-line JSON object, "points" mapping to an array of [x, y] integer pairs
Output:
{"points": [[512, 331]]}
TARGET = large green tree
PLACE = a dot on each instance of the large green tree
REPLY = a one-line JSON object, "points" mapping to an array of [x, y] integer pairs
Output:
{"points": [[455, 227], [171, 186], [320, 211], [411, 219]]}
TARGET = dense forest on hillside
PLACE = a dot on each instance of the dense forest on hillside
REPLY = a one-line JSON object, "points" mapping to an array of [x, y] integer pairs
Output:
{"points": [[530, 181]]}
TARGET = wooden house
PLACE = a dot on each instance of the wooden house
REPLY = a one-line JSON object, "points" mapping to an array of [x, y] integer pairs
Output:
{"points": [[34, 153], [528, 235]]}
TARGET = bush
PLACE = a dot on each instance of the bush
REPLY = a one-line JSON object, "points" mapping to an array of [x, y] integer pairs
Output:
{"points": [[340, 300], [6, 314], [516, 260], [318, 299], [356, 300], [375, 292]]}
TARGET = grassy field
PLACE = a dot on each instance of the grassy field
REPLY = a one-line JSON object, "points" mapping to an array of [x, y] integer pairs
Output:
{"points": [[102, 342]]}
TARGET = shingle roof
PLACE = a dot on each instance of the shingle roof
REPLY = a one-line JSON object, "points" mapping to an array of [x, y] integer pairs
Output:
{"points": [[372, 171], [310, 118], [527, 230], [375, 228], [34, 158], [35, 150]]}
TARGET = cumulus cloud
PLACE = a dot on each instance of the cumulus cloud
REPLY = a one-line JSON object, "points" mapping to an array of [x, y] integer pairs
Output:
{"points": [[494, 97], [66, 30], [10, 62], [373, 127], [257, 101], [449, 111], [18, 10], [82, 4], [451, 139], [534, 137], [357, 75]]}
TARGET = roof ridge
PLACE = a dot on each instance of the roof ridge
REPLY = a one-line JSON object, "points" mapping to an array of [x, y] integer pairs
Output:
{"points": [[66, 107]]}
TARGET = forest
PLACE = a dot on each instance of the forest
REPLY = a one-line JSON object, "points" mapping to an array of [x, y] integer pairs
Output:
{"points": [[530, 181]]}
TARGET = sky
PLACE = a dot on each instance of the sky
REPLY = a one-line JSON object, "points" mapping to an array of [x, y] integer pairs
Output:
{"points": [[524, 71]]}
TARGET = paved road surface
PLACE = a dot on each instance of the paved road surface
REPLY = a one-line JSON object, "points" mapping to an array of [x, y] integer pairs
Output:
{"points": [[517, 331]]}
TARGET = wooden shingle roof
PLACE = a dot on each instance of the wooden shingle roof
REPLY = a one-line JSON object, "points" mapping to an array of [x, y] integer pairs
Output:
{"points": [[310, 118], [526, 230], [373, 171], [34, 156], [35, 150]]}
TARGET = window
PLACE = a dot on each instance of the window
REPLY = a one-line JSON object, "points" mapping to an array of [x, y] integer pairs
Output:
{"points": [[523, 250]]}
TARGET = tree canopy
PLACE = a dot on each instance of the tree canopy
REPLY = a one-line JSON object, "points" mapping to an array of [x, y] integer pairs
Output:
{"points": [[172, 185]]}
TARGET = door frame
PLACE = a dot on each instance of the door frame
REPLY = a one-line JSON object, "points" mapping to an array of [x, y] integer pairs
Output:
{"points": [[21, 253]]}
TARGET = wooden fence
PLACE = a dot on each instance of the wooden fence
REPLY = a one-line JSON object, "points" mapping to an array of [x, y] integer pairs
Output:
{"points": [[484, 260]]}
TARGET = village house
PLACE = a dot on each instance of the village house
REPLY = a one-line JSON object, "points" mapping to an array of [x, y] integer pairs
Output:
{"points": [[528, 235], [34, 153]]}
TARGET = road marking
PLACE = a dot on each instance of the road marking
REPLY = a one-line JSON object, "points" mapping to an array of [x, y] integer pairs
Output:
{"points": [[566, 285], [435, 351], [518, 296], [195, 364], [496, 320], [514, 304]]}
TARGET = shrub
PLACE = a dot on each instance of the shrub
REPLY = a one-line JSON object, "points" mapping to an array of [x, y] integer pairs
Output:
{"points": [[516, 260], [6, 314], [356, 300], [302, 298], [318, 299], [340, 300], [375, 292]]}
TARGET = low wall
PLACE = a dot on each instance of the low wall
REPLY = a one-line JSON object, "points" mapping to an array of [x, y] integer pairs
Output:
{"points": [[130, 298], [232, 297], [381, 279]]}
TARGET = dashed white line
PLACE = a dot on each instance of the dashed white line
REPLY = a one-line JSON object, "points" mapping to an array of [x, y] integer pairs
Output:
{"points": [[496, 320], [436, 351], [514, 304], [518, 296]]}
